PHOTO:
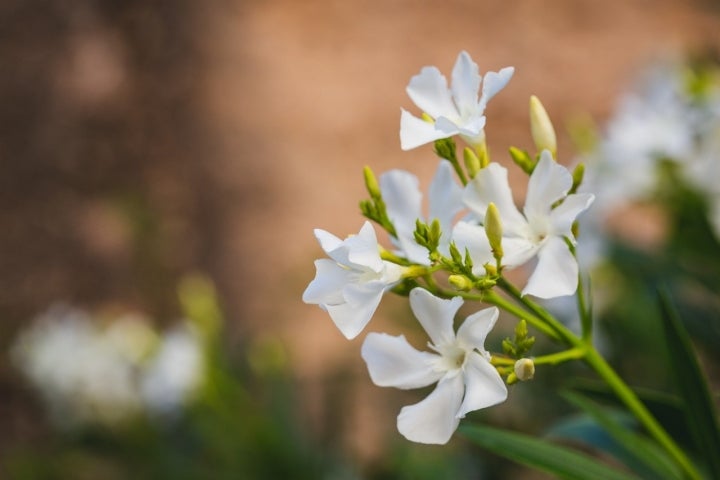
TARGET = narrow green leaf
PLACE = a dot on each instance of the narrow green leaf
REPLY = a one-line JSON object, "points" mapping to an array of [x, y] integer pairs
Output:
{"points": [[539, 454], [650, 455], [692, 387]]}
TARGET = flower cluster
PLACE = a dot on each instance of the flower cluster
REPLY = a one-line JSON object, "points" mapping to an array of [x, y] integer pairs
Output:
{"points": [[93, 372], [664, 133], [472, 233]]}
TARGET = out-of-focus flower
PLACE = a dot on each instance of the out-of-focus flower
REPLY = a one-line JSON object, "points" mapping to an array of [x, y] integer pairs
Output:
{"points": [[350, 284], [455, 110], [89, 371], [541, 230], [403, 200], [174, 372], [466, 381]]}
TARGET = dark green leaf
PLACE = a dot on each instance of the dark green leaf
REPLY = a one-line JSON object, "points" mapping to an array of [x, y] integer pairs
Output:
{"points": [[540, 454], [652, 459], [692, 388]]}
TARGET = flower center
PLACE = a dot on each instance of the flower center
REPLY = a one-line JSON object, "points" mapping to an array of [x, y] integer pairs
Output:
{"points": [[452, 357]]}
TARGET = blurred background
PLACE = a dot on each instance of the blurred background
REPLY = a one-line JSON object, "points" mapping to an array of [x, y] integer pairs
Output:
{"points": [[168, 160]]}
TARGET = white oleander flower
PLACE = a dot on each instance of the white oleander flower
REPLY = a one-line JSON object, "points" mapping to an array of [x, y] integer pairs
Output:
{"points": [[540, 230], [403, 201], [174, 372], [350, 284], [466, 381], [455, 110]]}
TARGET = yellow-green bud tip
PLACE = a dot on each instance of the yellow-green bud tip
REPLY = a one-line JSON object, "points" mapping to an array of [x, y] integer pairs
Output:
{"points": [[524, 369], [371, 183], [494, 230], [427, 118], [541, 127], [461, 282], [472, 161]]}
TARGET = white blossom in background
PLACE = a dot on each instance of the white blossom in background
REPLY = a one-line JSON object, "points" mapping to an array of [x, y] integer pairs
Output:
{"points": [[350, 284], [174, 372], [91, 371], [466, 381], [456, 110], [539, 231], [403, 200]]}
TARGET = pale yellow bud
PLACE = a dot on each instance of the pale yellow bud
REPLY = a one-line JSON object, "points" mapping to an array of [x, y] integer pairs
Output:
{"points": [[541, 127], [461, 282], [371, 183], [524, 369], [494, 230]]}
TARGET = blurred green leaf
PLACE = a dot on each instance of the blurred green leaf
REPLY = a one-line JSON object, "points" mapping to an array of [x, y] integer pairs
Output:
{"points": [[541, 455], [653, 463], [692, 387]]}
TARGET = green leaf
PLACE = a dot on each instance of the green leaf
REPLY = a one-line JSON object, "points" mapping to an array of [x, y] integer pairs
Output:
{"points": [[692, 388], [541, 455], [639, 448]]}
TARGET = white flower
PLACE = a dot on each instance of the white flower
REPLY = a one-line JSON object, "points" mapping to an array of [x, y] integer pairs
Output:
{"points": [[466, 381], [350, 284], [403, 201], [542, 229], [174, 372], [455, 110]]}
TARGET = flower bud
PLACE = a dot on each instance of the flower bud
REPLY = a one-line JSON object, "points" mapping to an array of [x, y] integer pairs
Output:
{"points": [[472, 162], [524, 369], [522, 159], [371, 183], [461, 282], [541, 127], [494, 231]]}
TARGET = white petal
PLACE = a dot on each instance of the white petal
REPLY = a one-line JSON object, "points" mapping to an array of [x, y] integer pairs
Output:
{"points": [[435, 314], [483, 385], [429, 91], [415, 132], [445, 197], [491, 185], [548, 183], [434, 419], [363, 249], [361, 302], [472, 130], [393, 362], [473, 238], [403, 199], [493, 82], [518, 251], [326, 287], [475, 328], [328, 241], [556, 273], [465, 84], [563, 216]]}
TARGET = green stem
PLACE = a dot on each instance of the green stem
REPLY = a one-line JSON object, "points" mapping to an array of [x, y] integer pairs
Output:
{"points": [[550, 359], [560, 331], [500, 302], [638, 409]]}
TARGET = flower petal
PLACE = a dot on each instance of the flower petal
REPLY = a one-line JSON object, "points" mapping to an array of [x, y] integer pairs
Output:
{"points": [[362, 300], [363, 249], [429, 91], [475, 328], [415, 132], [434, 419], [435, 314], [403, 200], [483, 385], [445, 197], [493, 82], [393, 362], [465, 85], [556, 273], [548, 183], [327, 286], [491, 185], [563, 216], [518, 251]]}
